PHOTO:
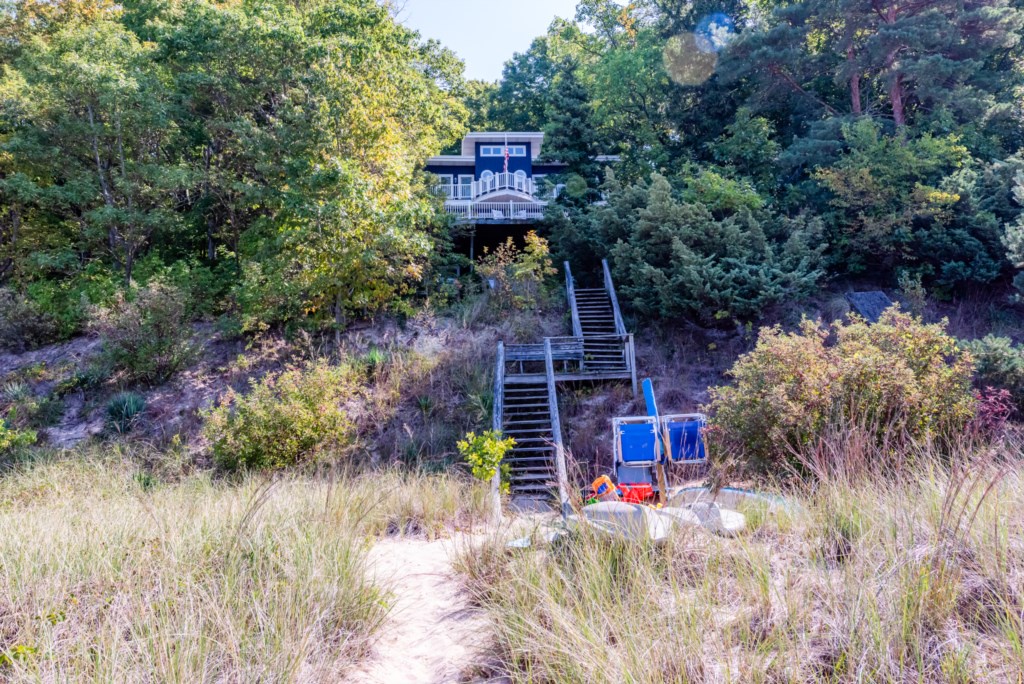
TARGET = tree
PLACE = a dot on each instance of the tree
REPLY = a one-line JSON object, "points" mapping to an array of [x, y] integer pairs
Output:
{"points": [[94, 115], [570, 134], [678, 259]]}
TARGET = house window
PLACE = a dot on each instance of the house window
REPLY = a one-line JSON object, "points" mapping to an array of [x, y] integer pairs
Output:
{"points": [[486, 176], [499, 150]]}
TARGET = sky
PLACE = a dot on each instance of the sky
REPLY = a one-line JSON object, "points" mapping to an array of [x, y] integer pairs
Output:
{"points": [[484, 33]]}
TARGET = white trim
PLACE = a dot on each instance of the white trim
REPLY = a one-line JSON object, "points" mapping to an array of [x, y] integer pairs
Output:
{"points": [[451, 160], [486, 175]]}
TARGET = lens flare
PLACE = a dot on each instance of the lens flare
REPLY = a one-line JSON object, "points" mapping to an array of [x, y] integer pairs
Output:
{"points": [[686, 63]]}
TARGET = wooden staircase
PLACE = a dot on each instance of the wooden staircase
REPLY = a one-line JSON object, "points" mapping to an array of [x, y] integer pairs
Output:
{"points": [[598, 322], [526, 409], [525, 389]]}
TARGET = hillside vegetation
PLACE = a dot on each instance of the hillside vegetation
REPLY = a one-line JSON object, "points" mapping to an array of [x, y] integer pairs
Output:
{"points": [[240, 340]]}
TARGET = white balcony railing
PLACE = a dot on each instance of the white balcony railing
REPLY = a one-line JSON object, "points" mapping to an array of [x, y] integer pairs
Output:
{"points": [[496, 211], [499, 182]]}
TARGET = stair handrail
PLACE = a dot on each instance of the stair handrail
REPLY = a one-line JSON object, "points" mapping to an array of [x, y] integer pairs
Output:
{"points": [[570, 292], [556, 432], [609, 286], [497, 412]]}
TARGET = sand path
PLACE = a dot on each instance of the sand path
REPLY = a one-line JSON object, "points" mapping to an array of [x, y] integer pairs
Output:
{"points": [[432, 634]]}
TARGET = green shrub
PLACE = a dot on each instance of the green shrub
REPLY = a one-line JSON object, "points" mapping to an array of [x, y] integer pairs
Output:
{"points": [[900, 380], [672, 257], [1000, 364], [23, 409], [24, 324], [287, 418], [518, 275], [484, 453], [11, 439], [124, 411], [148, 338]]}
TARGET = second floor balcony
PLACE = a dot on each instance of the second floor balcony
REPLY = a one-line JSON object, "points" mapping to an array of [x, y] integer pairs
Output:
{"points": [[490, 184]]}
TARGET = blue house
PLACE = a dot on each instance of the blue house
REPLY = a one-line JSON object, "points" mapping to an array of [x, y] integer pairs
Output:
{"points": [[497, 179]]}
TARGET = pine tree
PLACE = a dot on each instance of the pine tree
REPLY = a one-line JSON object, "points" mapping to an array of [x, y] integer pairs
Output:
{"points": [[570, 135]]}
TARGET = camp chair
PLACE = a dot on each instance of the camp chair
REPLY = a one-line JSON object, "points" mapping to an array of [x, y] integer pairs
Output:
{"points": [[683, 437], [636, 447], [497, 215]]}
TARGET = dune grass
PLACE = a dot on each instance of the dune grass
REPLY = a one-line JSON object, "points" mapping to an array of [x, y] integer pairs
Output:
{"points": [[917, 577], [107, 574]]}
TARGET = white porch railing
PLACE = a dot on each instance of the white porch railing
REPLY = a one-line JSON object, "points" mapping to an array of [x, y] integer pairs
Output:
{"points": [[499, 182], [496, 211]]}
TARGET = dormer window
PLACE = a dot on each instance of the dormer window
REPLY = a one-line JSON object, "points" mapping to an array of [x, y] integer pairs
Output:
{"points": [[499, 150]]}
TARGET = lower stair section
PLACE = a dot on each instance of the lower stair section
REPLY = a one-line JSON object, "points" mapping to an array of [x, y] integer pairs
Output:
{"points": [[527, 417]]}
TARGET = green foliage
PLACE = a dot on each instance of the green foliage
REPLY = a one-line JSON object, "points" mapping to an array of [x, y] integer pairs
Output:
{"points": [[518, 275], [1013, 238], [23, 408], [899, 380], [484, 454], [297, 416], [132, 145], [148, 338], [12, 440], [674, 257], [999, 363], [124, 410], [23, 323]]}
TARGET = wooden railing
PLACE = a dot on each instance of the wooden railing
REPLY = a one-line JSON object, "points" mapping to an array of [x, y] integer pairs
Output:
{"points": [[570, 293], [556, 433], [609, 286]]}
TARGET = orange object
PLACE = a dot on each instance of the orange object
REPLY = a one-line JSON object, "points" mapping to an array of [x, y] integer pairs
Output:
{"points": [[604, 489], [637, 493]]}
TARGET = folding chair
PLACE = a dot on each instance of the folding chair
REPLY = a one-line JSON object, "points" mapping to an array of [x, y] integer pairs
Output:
{"points": [[636, 447], [683, 436]]}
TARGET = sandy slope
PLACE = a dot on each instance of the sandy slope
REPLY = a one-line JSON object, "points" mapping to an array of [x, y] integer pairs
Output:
{"points": [[432, 633]]}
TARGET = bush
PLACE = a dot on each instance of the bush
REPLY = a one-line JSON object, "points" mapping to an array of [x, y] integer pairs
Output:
{"points": [[124, 411], [11, 440], [288, 418], [517, 276], [23, 323], [999, 363], [484, 454], [899, 380], [148, 338]]}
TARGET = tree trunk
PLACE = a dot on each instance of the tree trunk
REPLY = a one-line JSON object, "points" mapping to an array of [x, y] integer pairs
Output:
{"points": [[855, 104], [899, 114], [339, 320]]}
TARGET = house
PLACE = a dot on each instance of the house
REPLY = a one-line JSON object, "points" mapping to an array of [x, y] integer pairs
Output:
{"points": [[498, 180]]}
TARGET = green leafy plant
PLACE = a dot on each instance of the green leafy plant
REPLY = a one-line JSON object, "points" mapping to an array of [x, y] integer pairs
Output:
{"points": [[899, 380], [148, 338], [287, 418], [124, 411], [23, 323], [484, 454], [11, 439], [517, 275], [999, 363]]}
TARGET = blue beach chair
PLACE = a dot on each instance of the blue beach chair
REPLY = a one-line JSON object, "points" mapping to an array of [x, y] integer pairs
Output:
{"points": [[683, 436], [637, 448]]}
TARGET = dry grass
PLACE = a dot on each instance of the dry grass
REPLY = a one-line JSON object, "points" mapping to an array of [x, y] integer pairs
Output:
{"points": [[917, 578], [111, 575]]}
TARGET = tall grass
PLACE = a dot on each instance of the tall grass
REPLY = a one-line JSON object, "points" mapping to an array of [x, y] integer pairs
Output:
{"points": [[107, 574], [918, 577]]}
